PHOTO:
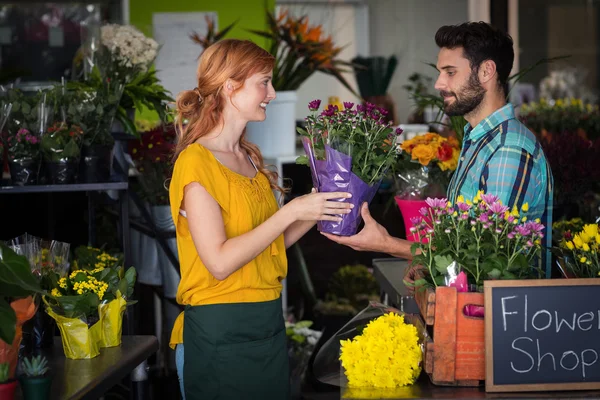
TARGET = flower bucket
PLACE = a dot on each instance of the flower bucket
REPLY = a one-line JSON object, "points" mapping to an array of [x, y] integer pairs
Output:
{"points": [[79, 340], [61, 172], [95, 164], [111, 315], [24, 171], [410, 209]]}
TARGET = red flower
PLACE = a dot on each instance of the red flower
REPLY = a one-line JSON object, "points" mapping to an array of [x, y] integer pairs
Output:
{"points": [[444, 152]]}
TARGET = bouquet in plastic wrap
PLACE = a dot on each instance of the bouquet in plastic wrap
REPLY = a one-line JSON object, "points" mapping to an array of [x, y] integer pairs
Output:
{"points": [[93, 292], [348, 150], [578, 252], [480, 238], [424, 169], [378, 354]]}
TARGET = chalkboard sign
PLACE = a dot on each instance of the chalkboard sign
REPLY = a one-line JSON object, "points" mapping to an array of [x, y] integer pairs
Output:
{"points": [[542, 335]]}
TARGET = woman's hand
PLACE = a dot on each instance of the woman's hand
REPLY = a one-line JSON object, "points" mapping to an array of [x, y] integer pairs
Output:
{"points": [[319, 206]]}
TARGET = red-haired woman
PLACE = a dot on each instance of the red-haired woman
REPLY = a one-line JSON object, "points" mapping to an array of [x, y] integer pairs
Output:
{"points": [[231, 234]]}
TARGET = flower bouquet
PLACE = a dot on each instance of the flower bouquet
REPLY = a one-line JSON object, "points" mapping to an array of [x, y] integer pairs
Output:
{"points": [[424, 169], [348, 150], [579, 253], [380, 351]]}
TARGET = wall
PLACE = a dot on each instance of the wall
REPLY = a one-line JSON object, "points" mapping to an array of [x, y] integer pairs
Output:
{"points": [[407, 28], [250, 13]]}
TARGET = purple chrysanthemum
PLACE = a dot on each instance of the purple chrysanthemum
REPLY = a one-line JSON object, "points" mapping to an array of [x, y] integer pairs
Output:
{"points": [[314, 105]]}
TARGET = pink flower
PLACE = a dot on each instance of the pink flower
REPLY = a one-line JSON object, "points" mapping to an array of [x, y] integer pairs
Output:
{"points": [[522, 230], [489, 198], [423, 211], [463, 207], [498, 208], [436, 203]]}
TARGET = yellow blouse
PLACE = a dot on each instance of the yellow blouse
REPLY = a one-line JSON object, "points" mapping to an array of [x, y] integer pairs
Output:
{"points": [[245, 204]]}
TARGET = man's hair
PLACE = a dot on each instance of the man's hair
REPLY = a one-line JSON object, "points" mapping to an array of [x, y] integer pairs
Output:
{"points": [[480, 42]]}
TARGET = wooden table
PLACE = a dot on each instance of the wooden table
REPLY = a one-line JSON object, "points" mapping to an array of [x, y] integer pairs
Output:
{"points": [[389, 273], [90, 379]]}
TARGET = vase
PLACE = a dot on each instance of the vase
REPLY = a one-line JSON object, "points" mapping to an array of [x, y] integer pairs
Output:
{"points": [[96, 163], [7, 389], [38, 332], [36, 388], [24, 171], [61, 172], [410, 209], [170, 277], [276, 135], [387, 103]]}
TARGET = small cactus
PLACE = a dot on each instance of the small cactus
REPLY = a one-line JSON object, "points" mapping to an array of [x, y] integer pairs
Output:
{"points": [[3, 372], [35, 366]]}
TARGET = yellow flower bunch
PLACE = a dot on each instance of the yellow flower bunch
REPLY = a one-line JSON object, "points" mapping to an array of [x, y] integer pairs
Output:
{"points": [[581, 253], [386, 355], [432, 147]]}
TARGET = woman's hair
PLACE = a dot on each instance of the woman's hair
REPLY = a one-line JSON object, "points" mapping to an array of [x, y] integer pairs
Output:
{"points": [[202, 107]]}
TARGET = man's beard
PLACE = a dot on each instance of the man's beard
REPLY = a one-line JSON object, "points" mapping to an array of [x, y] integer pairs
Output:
{"points": [[468, 99]]}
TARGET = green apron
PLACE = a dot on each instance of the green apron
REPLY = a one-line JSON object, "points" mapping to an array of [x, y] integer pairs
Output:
{"points": [[235, 351]]}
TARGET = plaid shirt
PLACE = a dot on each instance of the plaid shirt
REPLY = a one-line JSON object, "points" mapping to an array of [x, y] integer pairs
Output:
{"points": [[500, 156]]}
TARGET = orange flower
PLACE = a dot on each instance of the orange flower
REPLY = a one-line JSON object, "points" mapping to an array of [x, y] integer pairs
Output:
{"points": [[424, 153]]}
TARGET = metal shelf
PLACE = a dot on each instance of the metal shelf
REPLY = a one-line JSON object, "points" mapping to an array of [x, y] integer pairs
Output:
{"points": [[76, 187]]}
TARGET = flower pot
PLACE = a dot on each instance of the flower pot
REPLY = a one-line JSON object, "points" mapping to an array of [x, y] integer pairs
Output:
{"points": [[61, 172], [7, 390], [410, 209], [95, 164], [164, 223], [38, 332], [24, 171], [112, 322], [80, 339], [36, 388], [276, 135]]}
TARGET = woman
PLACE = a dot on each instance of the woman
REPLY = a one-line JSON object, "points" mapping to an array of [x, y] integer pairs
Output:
{"points": [[231, 234]]}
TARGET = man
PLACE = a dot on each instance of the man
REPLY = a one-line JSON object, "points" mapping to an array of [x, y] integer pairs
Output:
{"points": [[499, 156]]}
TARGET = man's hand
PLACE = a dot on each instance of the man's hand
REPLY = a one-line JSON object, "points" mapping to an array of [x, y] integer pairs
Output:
{"points": [[371, 238]]}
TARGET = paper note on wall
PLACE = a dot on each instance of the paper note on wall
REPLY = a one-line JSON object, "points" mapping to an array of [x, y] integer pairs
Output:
{"points": [[177, 59]]}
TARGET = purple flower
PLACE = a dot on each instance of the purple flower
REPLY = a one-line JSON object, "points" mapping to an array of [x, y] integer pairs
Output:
{"points": [[382, 111], [489, 198], [484, 218], [330, 111], [314, 105], [464, 216], [511, 219], [348, 105], [473, 222], [463, 207], [522, 230], [529, 243], [436, 203], [424, 211], [534, 227], [451, 211], [360, 108], [399, 131], [511, 235], [498, 230], [497, 208], [415, 220]]}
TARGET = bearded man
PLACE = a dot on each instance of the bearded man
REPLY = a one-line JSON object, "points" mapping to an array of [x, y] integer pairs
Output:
{"points": [[500, 156]]}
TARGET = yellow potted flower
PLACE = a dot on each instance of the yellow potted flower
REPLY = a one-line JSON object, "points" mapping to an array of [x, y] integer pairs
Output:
{"points": [[580, 253]]}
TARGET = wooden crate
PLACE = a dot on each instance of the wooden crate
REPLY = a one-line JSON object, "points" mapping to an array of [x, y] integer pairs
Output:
{"points": [[455, 355]]}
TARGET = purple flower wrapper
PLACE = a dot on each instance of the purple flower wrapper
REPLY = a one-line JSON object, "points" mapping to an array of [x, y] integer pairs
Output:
{"points": [[334, 174]]}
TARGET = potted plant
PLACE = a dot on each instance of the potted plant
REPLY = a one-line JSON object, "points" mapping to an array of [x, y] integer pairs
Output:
{"points": [[374, 75], [424, 169], [61, 151], [17, 305], [300, 49], [458, 247], [35, 380], [23, 157], [7, 385], [152, 158], [351, 148], [108, 269], [578, 252], [301, 342]]}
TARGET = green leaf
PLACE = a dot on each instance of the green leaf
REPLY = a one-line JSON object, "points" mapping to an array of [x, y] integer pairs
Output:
{"points": [[130, 277], [303, 324], [8, 321], [302, 160], [15, 270], [442, 263], [414, 247], [494, 274]]}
